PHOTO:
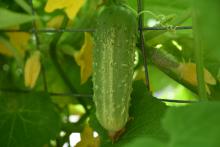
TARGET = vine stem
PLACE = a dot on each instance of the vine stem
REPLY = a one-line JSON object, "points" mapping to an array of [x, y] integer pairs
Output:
{"points": [[199, 59], [53, 54]]}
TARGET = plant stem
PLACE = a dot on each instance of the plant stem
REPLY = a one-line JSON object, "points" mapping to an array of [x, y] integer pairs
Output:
{"points": [[53, 54], [199, 59]]}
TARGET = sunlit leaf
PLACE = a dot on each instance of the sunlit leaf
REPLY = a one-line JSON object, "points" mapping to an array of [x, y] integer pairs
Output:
{"points": [[23, 4], [87, 138], [9, 18], [32, 69], [84, 58], [71, 7]]}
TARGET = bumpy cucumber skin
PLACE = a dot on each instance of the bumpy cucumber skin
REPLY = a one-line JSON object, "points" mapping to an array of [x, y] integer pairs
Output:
{"points": [[113, 64]]}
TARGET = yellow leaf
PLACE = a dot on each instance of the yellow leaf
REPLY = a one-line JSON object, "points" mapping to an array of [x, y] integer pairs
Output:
{"points": [[87, 138], [32, 69], [84, 58], [71, 7], [188, 73], [19, 40]]}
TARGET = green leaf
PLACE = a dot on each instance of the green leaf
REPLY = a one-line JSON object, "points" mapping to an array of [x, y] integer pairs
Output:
{"points": [[190, 126], [145, 112], [144, 142], [195, 125], [163, 7], [9, 18], [167, 7], [23, 4], [27, 120]]}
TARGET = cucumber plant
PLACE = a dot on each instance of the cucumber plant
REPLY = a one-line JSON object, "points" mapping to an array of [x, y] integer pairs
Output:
{"points": [[113, 64]]}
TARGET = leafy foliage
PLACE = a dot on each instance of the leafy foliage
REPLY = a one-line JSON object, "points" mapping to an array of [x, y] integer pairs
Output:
{"points": [[13, 18], [187, 129], [41, 116], [27, 120]]}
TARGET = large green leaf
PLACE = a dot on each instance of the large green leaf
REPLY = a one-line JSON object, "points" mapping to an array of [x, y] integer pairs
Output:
{"points": [[195, 125], [9, 18], [190, 126], [27, 120], [144, 142], [207, 20], [206, 24], [145, 111]]}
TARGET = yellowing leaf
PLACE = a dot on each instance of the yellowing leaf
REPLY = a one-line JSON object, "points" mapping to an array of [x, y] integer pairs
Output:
{"points": [[19, 40], [84, 58], [71, 7], [87, 138], [188, 73], [32, 69]]}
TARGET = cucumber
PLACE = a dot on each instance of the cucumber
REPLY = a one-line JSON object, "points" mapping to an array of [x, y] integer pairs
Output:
{"points": [[113, 62]]}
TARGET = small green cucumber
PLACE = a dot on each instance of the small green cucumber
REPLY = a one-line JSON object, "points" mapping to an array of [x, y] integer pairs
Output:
{"points": [[113, 62]]}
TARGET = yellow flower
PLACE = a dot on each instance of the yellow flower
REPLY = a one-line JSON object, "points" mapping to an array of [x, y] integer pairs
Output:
{"points": [[19, 40], [84, 58], [87, 138], [71, 7], [32, 69], [187, 72]]}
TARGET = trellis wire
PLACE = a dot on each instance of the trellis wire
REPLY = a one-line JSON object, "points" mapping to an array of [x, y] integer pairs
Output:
{"points": [[92, 30], [22, 91], [141, 28], [141, 35]]}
